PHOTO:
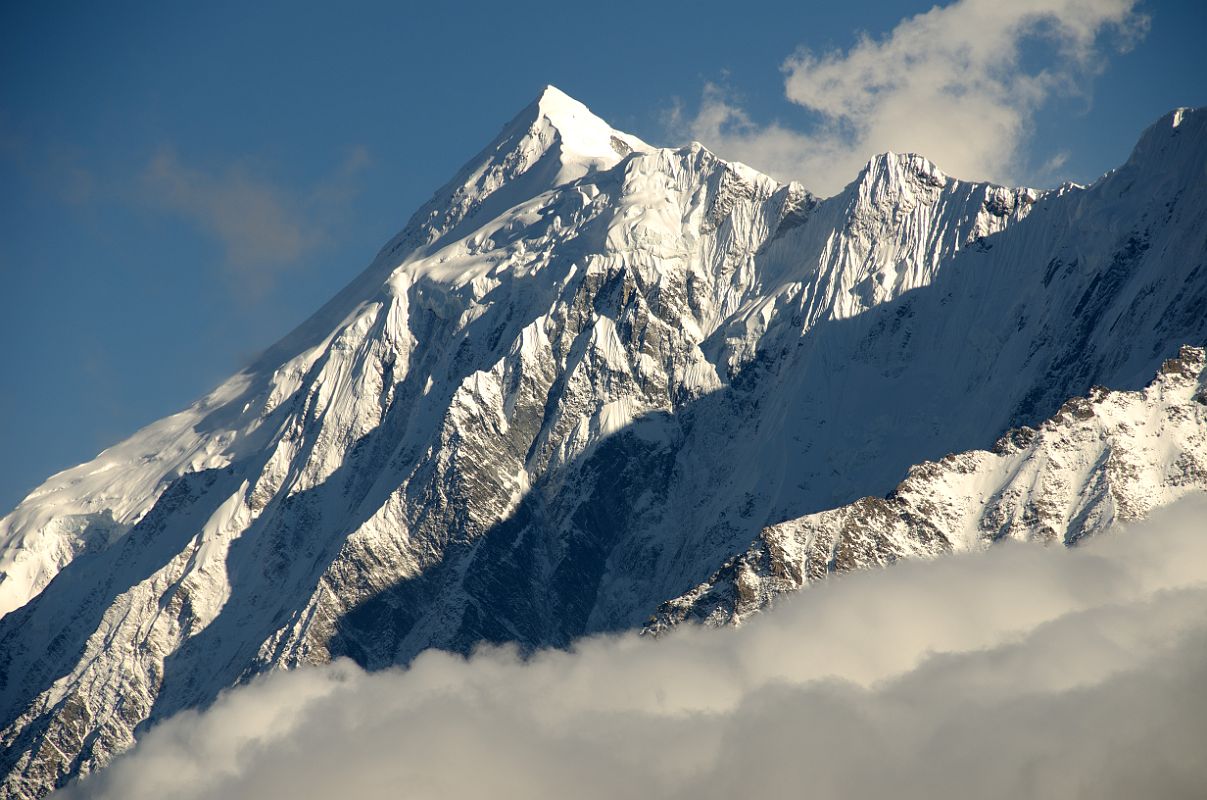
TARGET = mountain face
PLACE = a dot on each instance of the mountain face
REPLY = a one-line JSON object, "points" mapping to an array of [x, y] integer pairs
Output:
{"points": [[1113, 456], [580, 382]]}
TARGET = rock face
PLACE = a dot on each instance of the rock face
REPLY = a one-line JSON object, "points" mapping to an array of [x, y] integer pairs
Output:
{"points": [[585, 375], [1104, 458]]}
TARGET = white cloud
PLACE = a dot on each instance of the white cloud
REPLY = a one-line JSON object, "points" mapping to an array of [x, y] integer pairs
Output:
{"points": [[954, 84], [263, 227], [1016, 673]]}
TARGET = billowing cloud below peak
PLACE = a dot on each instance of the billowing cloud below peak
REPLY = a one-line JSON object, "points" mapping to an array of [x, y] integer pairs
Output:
{"points": [[1017, 672]]}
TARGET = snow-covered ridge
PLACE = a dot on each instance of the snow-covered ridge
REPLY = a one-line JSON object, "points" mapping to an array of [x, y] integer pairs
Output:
{"points": [[583, 377], [1104, 458]]}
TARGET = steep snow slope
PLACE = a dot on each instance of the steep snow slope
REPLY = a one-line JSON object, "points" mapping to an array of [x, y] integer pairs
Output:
{"points": [[1105, 458], [585, 375]]}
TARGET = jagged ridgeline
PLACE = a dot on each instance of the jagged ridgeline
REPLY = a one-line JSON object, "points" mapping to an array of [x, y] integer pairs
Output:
{"points": [[586, 376]]}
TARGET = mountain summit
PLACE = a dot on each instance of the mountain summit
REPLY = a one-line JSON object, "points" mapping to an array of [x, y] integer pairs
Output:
{"points": [[582, 135], [585, 377], [554, 141]]}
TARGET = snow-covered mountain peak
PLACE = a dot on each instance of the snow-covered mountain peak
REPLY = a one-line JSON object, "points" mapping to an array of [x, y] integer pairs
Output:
{"points": [[585, 375], [559, 128], [581, 133], [553, 141], [1177, 116], [896, 180], [889, 175], [1172, 145], [902, 168]]}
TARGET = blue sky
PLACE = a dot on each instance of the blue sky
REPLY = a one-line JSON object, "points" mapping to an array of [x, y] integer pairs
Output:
{"points": [[182, 185]]}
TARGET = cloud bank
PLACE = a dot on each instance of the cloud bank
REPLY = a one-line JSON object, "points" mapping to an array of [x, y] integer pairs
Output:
{"points": [[958, 84], [1021, 672]]}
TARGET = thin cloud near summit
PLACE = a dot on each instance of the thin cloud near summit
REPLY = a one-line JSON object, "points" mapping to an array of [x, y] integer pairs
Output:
{"points": [[263, 228]]}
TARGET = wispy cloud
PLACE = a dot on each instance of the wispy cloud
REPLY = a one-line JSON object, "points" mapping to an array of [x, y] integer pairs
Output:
{"points": [[53, 168], [1022, 672], [955, 84], [264, 227]]}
